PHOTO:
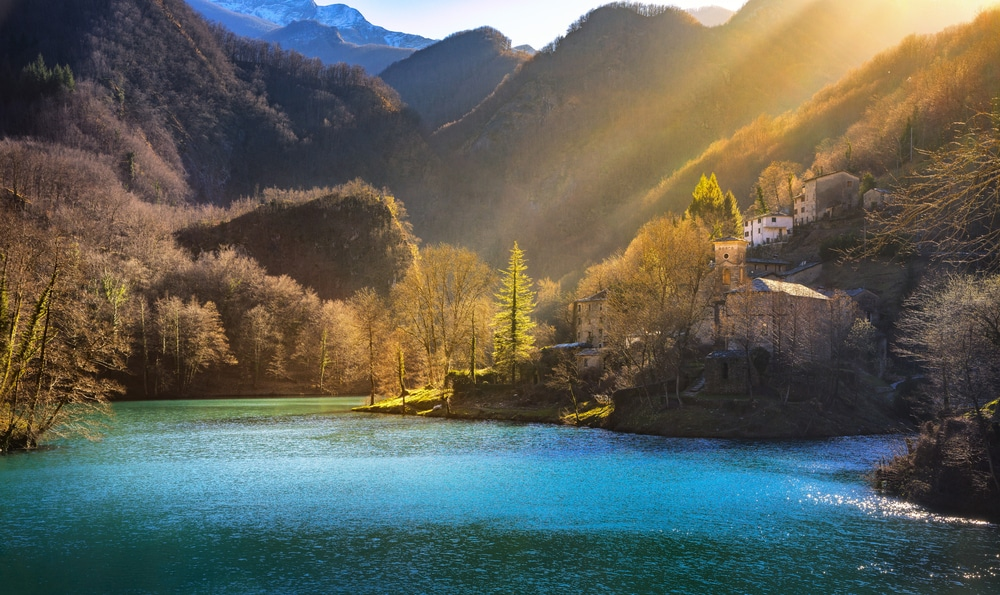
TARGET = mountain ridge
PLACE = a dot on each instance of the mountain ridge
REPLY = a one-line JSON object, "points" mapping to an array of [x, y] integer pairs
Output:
{"points": [[317, 40], [444, 81], [352, 25]]}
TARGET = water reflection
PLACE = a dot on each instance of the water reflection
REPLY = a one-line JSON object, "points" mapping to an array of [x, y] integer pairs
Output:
{"points": [[276, 496]]}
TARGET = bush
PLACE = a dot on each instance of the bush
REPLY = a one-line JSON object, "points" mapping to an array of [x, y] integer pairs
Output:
{"points": [[462, 379], [833, 248]]}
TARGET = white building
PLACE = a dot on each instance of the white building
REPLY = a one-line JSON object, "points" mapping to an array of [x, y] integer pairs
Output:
{"points": [[768, 229]]}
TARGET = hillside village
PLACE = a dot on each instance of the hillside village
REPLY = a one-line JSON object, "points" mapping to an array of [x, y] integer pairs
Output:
{"points": [[761, 303]]}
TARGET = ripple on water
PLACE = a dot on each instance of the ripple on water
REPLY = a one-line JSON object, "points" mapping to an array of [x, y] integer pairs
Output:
{"points": [[268, 496]]}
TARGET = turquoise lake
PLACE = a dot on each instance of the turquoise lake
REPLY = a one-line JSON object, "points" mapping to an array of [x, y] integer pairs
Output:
{"points": [[303, 496]]}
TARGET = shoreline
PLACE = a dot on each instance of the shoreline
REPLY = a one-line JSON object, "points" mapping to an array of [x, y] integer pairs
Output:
{"points": [[759, 419]]}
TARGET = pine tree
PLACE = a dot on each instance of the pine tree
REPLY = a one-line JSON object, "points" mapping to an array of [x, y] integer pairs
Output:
{"points": [[732, 218], [512, 324], [718, 210]]}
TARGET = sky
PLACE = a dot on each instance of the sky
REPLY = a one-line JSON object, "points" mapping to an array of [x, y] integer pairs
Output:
{"points": [[532, 22]]}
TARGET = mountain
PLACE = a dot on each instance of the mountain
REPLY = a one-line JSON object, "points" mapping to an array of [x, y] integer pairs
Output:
{"points": [[194, 114], [238, 23], [445, 81], [351, 24], [562, 156], [326, 43], [711, 16]]}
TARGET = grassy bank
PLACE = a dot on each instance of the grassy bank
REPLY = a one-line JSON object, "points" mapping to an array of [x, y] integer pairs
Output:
{"points": [[495, 403], [702, 416]]}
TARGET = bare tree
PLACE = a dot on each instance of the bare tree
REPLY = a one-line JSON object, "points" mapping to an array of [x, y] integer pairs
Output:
{"points": [[329, 347], [374, 330], [56, 341], [657, 296], [949, 328], [949, 210], [436, 301], [191, 341]]}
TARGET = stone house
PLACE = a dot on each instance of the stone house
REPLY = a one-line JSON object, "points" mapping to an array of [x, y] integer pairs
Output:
{"points": [[786, 319], [588, 319], [762, 267], [588, 330], [726, 373], [826, 196], [868, 302]]}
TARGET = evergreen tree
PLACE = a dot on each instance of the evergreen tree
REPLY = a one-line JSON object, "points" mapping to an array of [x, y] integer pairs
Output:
{"points": [[512, 324], [732, 218], [719, 211]]}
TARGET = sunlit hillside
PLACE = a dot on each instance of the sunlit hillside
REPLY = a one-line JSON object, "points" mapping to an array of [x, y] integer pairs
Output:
{"points": [[562, 156], [877, 120]]}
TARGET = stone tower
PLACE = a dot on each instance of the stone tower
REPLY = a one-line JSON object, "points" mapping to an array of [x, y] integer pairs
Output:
{"points": [[731, 259]]}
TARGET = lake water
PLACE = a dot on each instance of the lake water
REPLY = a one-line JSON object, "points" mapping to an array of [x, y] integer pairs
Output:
{"points": [[302, 496]]}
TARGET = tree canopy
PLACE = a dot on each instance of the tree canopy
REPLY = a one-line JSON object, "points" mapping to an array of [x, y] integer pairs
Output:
{"points": [[719, 211]]}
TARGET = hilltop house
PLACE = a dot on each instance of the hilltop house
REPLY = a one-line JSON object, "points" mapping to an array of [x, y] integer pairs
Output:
{"points": [[770, 228], [826, 196]]}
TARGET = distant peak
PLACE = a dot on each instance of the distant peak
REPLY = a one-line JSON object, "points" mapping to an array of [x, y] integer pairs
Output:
{"points": [[349, 21], [711, 16]]}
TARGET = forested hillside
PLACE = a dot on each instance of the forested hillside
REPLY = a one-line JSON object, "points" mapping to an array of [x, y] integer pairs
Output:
{"points": [[563, 154], [446, 80], [877, 120], [124, 122], [336, 242], [193, 113]]}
